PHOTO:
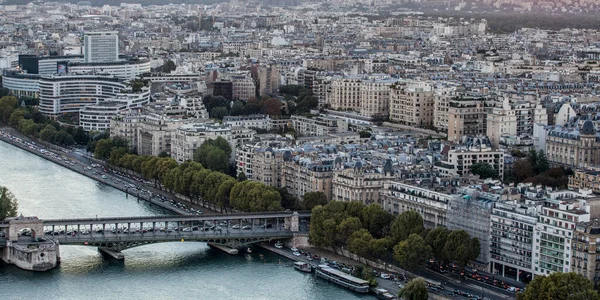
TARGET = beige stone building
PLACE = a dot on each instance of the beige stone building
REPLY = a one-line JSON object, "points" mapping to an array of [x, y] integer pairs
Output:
{"points": [[345, 93], [585, 251], [412, 103], [358, 184], [584, 179], [472, 151], [154, 134], [302, 175], [573, 147], [268, 80], [243, 86], [466, 117], [367, 96]]}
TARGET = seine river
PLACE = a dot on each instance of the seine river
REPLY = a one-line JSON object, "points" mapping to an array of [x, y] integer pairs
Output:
{"points": [[161, 271]]}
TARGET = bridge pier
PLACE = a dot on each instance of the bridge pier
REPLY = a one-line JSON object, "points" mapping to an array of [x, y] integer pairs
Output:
{"points": [[114, 254], [225, 249]]}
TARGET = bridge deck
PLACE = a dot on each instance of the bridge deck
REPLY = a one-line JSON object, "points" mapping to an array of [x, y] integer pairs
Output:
{"points": [[187, 218]]}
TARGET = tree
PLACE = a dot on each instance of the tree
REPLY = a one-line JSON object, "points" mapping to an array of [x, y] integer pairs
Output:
{"points": [[523, 170], [211, 102], [567, 286], [271, 107], [214, 154], [103, 147], [542, 164], [436, 239], [219, 112], [407, 223], [312, 199], [241, 177], [8, 204], [355, 209], [412, 252], [380, 248], [375, 219], [48, 133], [346, 228], [359, 242], [237, 108], [484, 170], [459, 248], [416, 289]]}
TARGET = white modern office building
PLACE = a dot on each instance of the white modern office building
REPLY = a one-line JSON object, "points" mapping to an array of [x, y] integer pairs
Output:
{"points": [[126, 69], [101, 46], [68, 94], [97, 116]]}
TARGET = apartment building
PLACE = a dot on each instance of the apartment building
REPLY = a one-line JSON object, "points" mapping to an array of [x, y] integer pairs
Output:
{"points": [[124, 125], [367, 96], [572, 147], [345, 93], [585, 253], [555, 232], [466, 117], [154, 133], [359, 183], [189, 137], [243, 86], [472, 151], [268, 80], [301, 175], [512, 232], [583, 179], [412, 103], [417, 195], [441, 98], [375, 97], [250, 121], [317, 125]]}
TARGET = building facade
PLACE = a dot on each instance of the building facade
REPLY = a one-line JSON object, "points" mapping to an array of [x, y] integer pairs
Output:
{"points": [[101, 46]]}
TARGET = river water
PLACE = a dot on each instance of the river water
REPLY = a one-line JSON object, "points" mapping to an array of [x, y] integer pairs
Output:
{"points": [[160, 271]]}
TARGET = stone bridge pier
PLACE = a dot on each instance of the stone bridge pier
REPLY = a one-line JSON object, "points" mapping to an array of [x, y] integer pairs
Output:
{"points": [[25, 251], [293, 223]]}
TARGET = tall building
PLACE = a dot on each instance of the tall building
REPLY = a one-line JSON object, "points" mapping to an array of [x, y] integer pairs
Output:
{"points": [[554, 234], [269, 79], [412, 103], [512, 230], [466, 117], [101, 46]]}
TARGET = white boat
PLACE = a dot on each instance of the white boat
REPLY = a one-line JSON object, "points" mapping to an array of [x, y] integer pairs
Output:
{"points": [[279, 245], [302, 266], [249, 250], [384, 294], [348, 281]]}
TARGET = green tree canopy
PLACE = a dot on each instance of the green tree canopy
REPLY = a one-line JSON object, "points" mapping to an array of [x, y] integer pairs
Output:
{"points": [[8, 204], [567, 286], [484, 170], [412, 252], [416, 289], [407, 223], [460, 248], [376, 220], [360, 243], [312, 199]]}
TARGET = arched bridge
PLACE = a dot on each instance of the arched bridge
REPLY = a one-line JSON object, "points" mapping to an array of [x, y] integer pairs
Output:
{"points": [[119, 233]]}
